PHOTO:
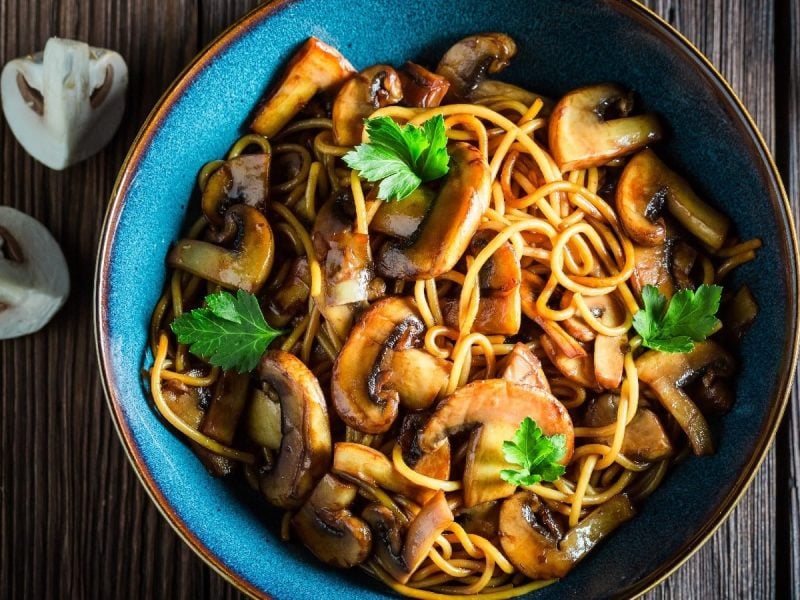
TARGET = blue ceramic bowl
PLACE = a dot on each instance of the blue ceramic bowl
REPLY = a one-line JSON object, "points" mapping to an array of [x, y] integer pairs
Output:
{"points": [[563, 45]]}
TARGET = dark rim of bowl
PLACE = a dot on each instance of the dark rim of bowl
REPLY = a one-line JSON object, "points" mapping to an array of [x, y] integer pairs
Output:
{"points": [[632, 8]]}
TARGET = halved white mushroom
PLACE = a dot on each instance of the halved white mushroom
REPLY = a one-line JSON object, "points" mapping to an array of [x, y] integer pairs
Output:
{"points": [[65, 103], [34, 279]]}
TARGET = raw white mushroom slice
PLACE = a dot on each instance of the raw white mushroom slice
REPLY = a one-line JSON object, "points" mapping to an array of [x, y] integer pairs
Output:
{"points": [[34, 279], [65, 103]]}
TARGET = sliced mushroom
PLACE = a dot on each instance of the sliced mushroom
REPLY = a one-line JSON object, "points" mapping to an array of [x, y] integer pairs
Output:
{"points": [[245, 266], [652, 267], [421, 88], [499, 309], [482, 520], [264, 419], [401, 555], [609, 351], [740, 313], [305, 451], [373, 88], [416, 376], [34, 279], [468, 61], [667, 374], [402, 219], [315, 67], [360, 394], [433, 464], [539, 551], [346, 260], [645, 438], [523, 367], [244, 179], [222, 419], [64, 104], [327, 528], [366, 464], [493, 408], [449, 226], [646, 186], [579, 369], [583, 134], [565, 343]]}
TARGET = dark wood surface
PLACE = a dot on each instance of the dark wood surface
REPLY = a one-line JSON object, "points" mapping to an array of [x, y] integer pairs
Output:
{"points": [[74, 520]]}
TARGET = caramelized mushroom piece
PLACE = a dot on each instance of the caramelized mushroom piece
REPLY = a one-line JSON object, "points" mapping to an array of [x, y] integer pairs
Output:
{"points": [[499, 309], [244, 179], [281, 306], [414, 375], [579, 369], [490, 88], [245, 266], [421, 88], [222, 419], [264, 419], [483, 519], [667, 374], [667, 266], [645, 438], [646, 186], [327, 528], [521, 366], [433, 464], [402, 555], [402, 219], [566, 344], [316, 67], [305, 450], [468, 61], [539, 551], [371, 466], [449, 226], [361, 396], [494, 408], [373, 88], [583, 135], [609, 351]]}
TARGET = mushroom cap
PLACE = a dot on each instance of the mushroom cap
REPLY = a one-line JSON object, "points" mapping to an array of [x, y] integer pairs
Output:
{"points": [[64, 104], [468, 61], [33, 290]]}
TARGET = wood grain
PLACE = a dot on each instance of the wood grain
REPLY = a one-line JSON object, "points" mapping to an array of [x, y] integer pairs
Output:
{"points": [[74, 520]]}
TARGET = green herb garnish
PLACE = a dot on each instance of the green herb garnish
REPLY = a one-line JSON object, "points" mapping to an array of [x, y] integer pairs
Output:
{"points": [[230, 332], [401, 158], [676, 325], [536, 454]]}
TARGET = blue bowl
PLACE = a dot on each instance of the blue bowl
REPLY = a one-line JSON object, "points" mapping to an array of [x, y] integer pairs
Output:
{"points": [[562, 45]]}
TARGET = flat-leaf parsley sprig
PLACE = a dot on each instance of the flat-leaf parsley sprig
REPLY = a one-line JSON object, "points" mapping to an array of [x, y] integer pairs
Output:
{"points": [[229, 332], [676, 325], [401, 158], [536, 454]]}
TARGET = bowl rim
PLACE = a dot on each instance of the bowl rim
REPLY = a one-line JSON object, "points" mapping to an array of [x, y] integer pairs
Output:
{"points": [[116, 205]]}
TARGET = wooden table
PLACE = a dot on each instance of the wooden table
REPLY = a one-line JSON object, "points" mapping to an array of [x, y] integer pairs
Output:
{"points": [[76, 523]]}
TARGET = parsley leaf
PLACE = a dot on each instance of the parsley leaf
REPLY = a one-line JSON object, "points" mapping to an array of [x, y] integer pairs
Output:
{"points": [[401, 158], [536, 454], [230, 332], [689, 317]]}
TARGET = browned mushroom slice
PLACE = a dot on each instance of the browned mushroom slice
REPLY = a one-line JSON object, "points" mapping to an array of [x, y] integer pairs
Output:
{"points": [[316, 67], [739, 313], [539, 551], [327, 528], [222, 419], [415, 375], [496, 90], [373, 88], [651, 267], [499, 309], [281, 306], [667, 373], [449, 226], [523, 367], [645, 438], [242, 179], [433, 464], [609, 351], [565, 343], [343, 253], [421, 88], [583, 135], [360, 394], [264, 419], [402, 219], [494, 408], [401, 555], [305, 451], [371, 466], [483, 519], [646, 186], [245, 266], [468, 61], [579, 369]]}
